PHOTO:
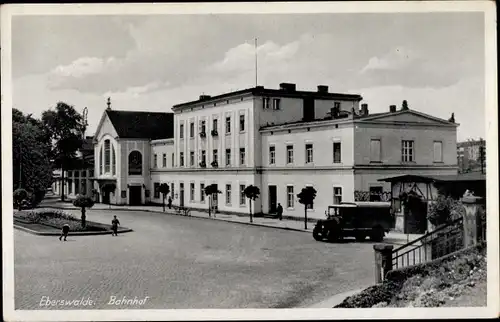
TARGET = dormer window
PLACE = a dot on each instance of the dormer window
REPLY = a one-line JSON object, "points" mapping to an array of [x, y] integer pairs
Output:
{"points": [[267, 103], [276, 104]]}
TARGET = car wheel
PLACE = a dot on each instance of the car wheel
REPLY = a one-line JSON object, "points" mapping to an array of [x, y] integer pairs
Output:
{"points": [[317, 235], [377, 234]]}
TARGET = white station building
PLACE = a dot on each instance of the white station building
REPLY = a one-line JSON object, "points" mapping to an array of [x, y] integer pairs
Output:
{"points": [[280, 140]]}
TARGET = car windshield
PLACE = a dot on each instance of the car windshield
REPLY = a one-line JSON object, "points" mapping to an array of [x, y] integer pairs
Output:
{"points": [[333, 211]]}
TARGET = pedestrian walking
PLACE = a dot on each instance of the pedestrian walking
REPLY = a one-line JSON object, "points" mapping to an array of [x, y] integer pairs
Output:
{"points": [[64, 232], [114, 223], [279, 211], [169, 202]]}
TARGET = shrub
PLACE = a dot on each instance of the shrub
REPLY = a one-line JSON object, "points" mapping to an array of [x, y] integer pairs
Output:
{"points": [[443, 210], [19, 196]]}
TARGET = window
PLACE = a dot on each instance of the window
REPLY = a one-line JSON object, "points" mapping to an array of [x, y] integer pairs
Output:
{"points": [[376, 193], [242, 156], [191, 158], [243, 198], [172, 186], [375, 150], [77, 173], [181, 159], [272, 154], [228, 157], [101, 155], [91, 173], [289, 197], [156, 190], [203, 156], [336, 105], [214, 124], [214, 155], [181, 131], [113, 163], [309, 153], [202, 127], [173, 160], [191, 192], [164, 158], [336, 152], [69, 173], [202, 192], [266, 103], [289, 154], [228, 194], [155, 163], [407, 151], [337, 195], [107, 156], [70, 186], [228, 124], [276, 104], [242, 123], [135, 163], [77, 186], [191, 130], [438, 151]]}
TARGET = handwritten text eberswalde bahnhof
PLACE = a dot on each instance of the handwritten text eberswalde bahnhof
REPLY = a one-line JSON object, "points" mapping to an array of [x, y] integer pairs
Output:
{"points": [[46, 301]]}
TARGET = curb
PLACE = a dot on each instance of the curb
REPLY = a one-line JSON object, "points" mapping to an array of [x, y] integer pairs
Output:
{"points": [[76, 233], [208, 218]]}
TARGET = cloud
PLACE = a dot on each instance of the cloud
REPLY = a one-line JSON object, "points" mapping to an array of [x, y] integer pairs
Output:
{"points": [[464, 98], [397, 58], [242, 57]]}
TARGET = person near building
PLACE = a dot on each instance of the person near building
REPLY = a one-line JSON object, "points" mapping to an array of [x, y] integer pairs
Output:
{"points": [[279, 211], [114, 223], [64, 232]]}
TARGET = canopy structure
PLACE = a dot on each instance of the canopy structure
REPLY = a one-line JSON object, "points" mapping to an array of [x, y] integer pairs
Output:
{"points": [[456, 185]]}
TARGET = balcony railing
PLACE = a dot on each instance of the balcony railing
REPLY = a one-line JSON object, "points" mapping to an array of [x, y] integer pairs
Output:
{"points": [[203, 165], [214, 133], [214, 164], [203, 134]]}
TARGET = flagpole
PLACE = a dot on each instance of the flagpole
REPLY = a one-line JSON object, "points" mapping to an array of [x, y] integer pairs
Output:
{"points": [[256, 62]]}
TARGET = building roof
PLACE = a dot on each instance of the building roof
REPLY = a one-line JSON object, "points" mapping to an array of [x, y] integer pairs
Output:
{"points": [[261, 91], [471, 176], [142, 125]]}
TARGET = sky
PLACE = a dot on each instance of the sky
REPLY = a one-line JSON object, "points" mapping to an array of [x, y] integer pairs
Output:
{"points": [[435, 61]]}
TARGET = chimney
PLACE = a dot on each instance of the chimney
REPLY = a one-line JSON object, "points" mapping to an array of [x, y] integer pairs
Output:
{"points": [[289, 87], [322, 89], [364, 109], [392, 108], [204, 97]]}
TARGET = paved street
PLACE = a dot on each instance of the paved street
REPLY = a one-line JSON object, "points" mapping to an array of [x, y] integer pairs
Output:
{"points": [[187, 262]]}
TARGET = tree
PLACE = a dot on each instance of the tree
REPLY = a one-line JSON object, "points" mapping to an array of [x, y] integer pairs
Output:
{"points": [[83, 202], [306, 197], [405, 107], [32, 169], [66, 127], [19, 196], [210, 191], [251, 192], [164, 189], [108, 188]]}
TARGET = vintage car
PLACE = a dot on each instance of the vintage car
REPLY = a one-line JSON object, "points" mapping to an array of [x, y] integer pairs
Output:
{"points": [[355, 219]]}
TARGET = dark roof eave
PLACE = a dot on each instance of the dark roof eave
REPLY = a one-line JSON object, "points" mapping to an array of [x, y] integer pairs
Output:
{"points": [[266, 91]]}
